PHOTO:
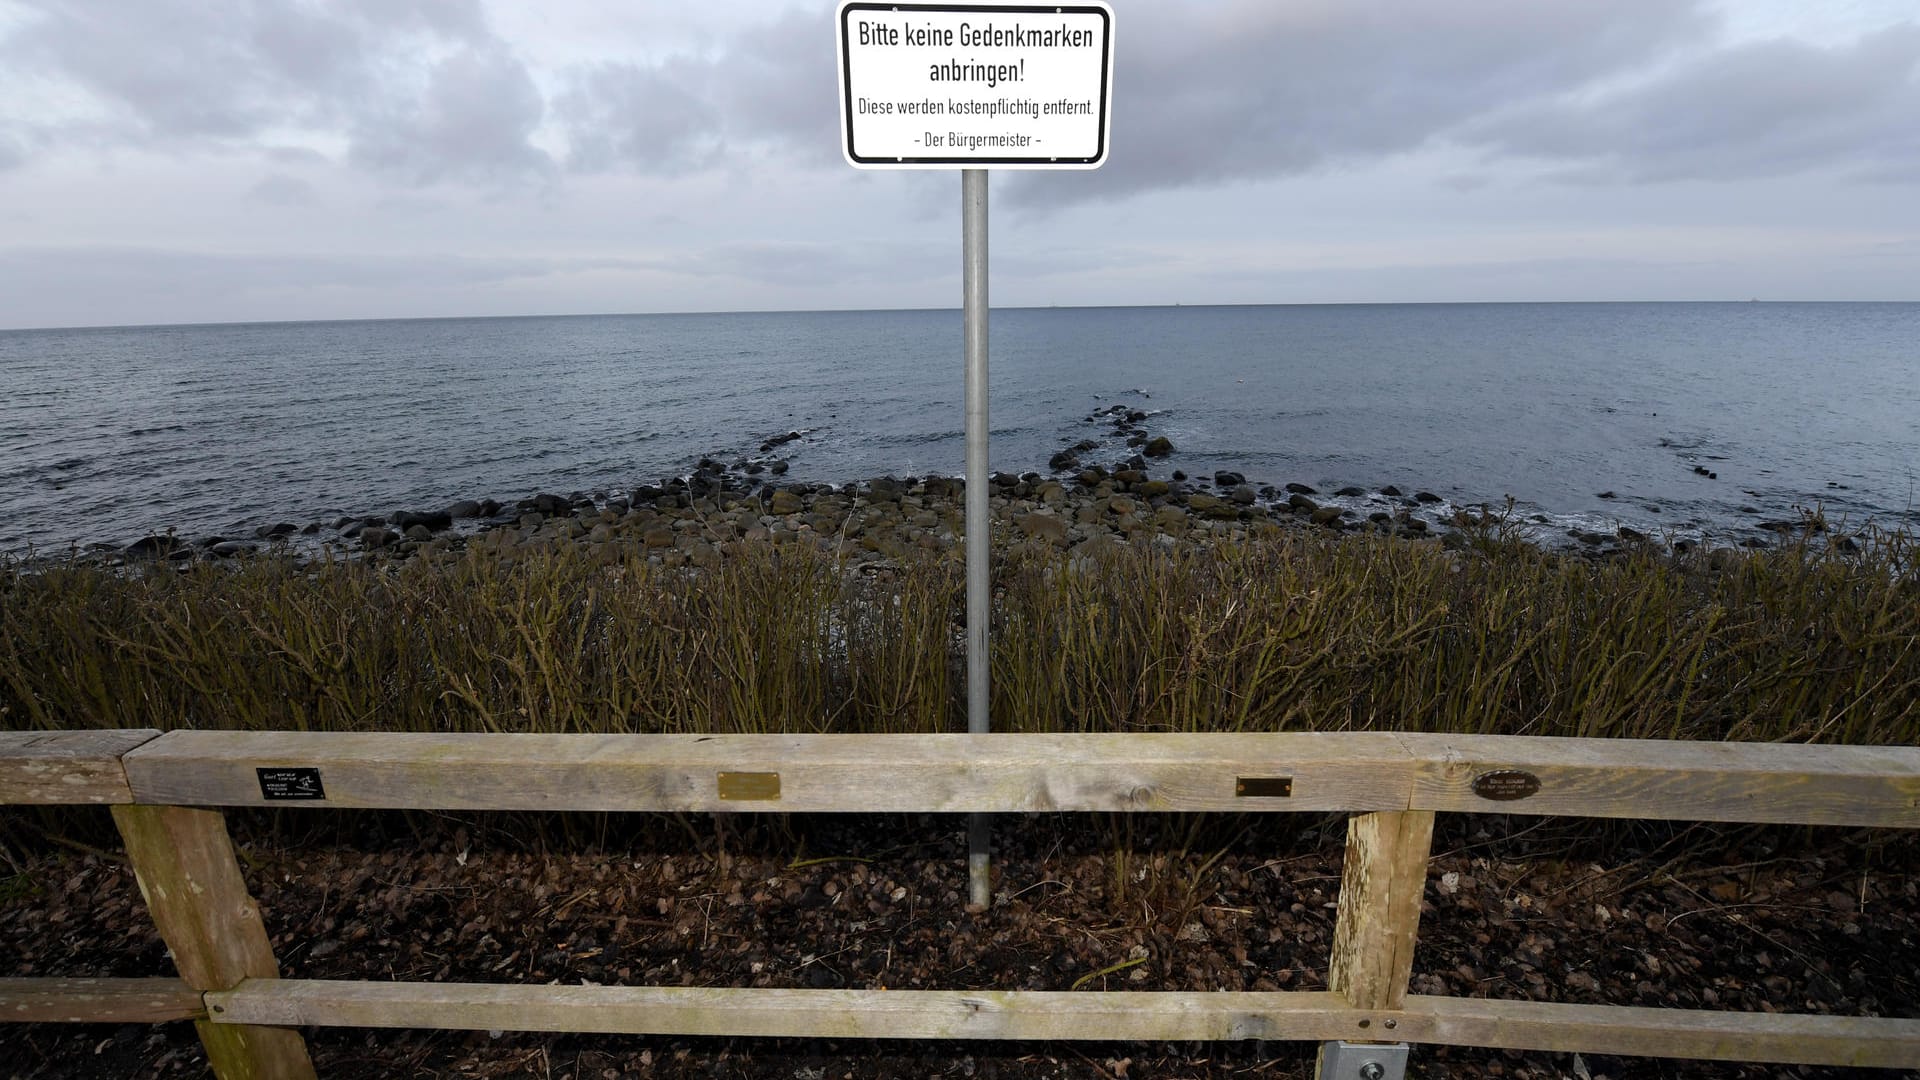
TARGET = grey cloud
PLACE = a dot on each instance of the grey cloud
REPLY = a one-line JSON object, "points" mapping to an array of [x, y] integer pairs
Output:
{"points": [[458, 20], [280, 189], [647, 118], [1069, 261], [471, 121], [1555, 280], [114, 267], [1248, 90], [809, 264], [94, 286], [122, 286], [1251, 90], [768, 85], [191, 70], [1757, 110], [781, 86], [173, 74], [1204, 92], [293, 156], [25, 273]]}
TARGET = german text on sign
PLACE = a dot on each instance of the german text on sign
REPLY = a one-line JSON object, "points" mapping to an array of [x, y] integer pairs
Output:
{"points": [[965, 86]]}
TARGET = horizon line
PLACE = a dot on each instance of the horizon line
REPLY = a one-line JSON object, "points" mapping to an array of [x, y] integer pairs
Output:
{"points": [[879, 310]]}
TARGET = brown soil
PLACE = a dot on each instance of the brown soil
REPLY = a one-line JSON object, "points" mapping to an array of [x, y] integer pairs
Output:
{"points": [[1753, 919]]}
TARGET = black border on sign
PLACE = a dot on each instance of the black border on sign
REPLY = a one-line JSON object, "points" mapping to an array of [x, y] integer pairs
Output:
{"points": [[1106, 83]]}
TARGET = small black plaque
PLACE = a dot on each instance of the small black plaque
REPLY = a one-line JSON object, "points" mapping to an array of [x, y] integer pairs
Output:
{"points": [[1264, 787], [277, 785], [1505, 785]]}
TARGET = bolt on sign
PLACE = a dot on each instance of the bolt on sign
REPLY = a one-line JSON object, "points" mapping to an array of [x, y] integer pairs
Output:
{"points": [[975, 86]]}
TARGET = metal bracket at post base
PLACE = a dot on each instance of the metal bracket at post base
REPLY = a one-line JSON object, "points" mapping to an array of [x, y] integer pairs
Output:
{"points": [[1361, 1061]]}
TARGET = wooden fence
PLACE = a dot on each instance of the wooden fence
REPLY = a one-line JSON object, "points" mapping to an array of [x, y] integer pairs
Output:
{"points": [[161, 787]]}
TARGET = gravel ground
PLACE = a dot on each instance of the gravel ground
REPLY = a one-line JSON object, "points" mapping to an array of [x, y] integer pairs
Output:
{"points": [[1754, 919]]}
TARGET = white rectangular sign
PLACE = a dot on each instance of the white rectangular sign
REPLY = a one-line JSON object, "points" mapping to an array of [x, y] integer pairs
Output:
{"points": [[975, 86]]}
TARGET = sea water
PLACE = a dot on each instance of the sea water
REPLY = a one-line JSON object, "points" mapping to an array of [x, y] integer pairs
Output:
{"points": [[110, 434]]}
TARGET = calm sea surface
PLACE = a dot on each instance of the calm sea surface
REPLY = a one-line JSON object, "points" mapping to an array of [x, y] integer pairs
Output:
{"points": [[106, 435]]}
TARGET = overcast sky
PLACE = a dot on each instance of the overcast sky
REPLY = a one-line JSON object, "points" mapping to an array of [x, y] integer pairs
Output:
{"points": [[221, 160]]}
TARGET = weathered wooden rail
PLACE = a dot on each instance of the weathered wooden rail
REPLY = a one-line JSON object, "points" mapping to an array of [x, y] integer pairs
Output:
{"points": [[165, 791]]}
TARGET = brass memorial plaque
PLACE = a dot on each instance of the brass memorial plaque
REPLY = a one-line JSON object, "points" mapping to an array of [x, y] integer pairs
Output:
{"points": [[749, 786]]}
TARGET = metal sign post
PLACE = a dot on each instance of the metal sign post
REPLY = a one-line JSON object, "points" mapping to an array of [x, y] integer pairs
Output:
{"points": [[967, 86], [973, 288]]}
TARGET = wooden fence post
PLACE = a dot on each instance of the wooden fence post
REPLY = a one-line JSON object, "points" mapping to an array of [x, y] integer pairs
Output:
{"points": [[185, 865], [1379, 919]]}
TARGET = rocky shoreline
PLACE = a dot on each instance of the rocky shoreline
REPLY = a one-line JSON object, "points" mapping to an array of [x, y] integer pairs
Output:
{"points": [[1079, 505]]}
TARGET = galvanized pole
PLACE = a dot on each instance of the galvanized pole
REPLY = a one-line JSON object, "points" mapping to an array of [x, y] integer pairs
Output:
{"points": [[973, 257]]}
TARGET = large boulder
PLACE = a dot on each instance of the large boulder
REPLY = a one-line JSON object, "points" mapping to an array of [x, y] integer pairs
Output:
{"points": [[1048, 527], [407, 520], [154, 547]]}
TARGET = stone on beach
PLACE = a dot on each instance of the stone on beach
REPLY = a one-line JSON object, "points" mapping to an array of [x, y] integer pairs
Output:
{"points": [[1041, 526], [407, 519], [151, 547]]}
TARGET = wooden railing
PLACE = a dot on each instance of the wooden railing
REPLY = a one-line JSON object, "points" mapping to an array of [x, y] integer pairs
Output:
{"points": [[161, 786]]}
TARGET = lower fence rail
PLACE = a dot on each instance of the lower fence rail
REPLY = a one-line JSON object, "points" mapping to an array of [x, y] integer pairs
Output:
{"points": [[1066, 1015], [165, 790], [99, 1001]]}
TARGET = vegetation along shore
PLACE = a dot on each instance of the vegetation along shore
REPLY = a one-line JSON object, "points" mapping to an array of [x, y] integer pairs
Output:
{"points": [[1115, 609]]}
